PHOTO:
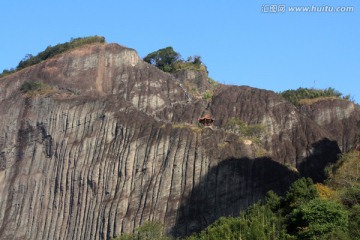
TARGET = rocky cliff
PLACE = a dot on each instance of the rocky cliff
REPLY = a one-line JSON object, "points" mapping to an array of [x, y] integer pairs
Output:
{"points": [[114, 142]]}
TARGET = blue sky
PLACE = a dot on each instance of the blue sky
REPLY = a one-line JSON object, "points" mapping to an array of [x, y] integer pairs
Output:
{"points": [[239, 43]]}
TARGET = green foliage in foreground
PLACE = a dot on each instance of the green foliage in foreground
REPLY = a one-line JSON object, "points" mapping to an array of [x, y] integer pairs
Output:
{"points": [[295, 96], [318, 219], [300, 214], [52, 51], [258, 222], [147, 231]]}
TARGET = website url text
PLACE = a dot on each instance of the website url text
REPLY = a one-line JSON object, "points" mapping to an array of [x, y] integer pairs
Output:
{"points": [[281, 8]]}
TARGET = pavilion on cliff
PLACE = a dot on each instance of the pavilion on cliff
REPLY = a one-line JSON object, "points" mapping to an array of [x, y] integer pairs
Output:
{"points": [[206, 120]]}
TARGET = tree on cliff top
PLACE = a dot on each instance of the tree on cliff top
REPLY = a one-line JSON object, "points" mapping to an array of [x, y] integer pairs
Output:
{"points": [[168, 60], [163, 58], [52, 51], [298, 96]]}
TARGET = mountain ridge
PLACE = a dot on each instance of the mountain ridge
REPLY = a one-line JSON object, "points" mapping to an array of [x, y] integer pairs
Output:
{"points": [[117, 143]]}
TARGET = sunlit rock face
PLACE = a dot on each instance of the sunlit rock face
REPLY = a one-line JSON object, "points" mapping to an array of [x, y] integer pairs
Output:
{"points": [[340, 118], [114, 142]]}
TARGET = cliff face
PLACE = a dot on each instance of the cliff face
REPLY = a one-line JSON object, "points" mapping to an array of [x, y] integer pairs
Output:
{"points": [[115, 143], [340, 118]]}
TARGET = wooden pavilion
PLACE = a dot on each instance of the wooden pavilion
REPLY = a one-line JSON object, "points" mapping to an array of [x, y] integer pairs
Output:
{"points": [[206, 120]]}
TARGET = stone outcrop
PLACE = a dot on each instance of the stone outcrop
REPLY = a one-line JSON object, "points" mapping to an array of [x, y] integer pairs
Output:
{"points": [[115, 143], [338, 117]]}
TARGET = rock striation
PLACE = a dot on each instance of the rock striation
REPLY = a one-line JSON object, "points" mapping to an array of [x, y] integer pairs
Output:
{"points": [[115, 143]]}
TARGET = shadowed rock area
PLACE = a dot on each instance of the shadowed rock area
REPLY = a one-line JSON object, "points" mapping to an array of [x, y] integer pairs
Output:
{"points": [[227, 188], [114, 142]]}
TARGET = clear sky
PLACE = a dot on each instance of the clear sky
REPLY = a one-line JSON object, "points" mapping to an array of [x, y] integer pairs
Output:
{"points": [[242, 43]]}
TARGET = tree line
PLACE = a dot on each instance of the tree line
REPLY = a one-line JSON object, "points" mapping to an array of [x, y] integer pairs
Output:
{"points": [[295, 96], [52, 51]]}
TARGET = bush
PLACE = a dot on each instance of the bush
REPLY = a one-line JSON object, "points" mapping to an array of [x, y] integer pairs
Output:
{"points": [[181, 65], [238, 126], [295, 96], [213, 83], [28, 86], [35, 87], [345, 173], [350, 197], [7, 72], [208, 95], [324, 191]]}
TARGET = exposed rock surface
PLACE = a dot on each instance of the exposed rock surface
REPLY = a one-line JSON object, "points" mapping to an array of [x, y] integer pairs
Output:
{"points": [[340, 118], [115, 144]]}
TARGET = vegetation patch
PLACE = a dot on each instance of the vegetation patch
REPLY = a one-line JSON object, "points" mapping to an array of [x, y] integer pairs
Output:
{"points": [[324, 191], [301, 214], [222, 145], [213, 83], [260, 152], [32, 88], [169, 60], [52, 51], [188, 65], [308, 96], [310, 101], [191, 86], [346, 172], [246, 131], [208, 95]]}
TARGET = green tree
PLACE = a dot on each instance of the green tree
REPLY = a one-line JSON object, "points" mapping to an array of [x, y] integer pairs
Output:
{"points": [[350, 196], [300, 191], [318, 219], [197, 60], [163, 58], [257, 223], [264, 223], [223, 228], [256, 231], [273, 201], [354, 222]]}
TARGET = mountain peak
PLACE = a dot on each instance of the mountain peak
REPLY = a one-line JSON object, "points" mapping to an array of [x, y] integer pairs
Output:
{"points": [[113, 142]]}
